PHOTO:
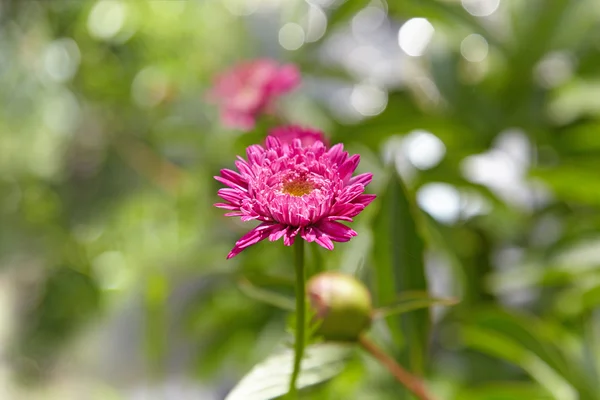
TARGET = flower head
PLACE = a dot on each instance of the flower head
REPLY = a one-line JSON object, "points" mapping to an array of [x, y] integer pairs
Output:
{"points": [[342, 305], [295, 190], [307, 136], [250, 88]]}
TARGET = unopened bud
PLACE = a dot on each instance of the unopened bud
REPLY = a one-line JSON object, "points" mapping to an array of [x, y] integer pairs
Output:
{"points": [[342, 305]]}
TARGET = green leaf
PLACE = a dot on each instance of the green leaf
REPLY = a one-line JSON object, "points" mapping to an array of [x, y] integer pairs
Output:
{"points": [[504, 391], [266, 296], [270, 379], [399, 267], [412, 301], [542, 349], [503, 347], [575, 182], [345, 12]]}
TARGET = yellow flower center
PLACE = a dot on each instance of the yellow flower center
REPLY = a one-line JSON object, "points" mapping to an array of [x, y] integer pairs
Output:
{"points": [[297, 187]]}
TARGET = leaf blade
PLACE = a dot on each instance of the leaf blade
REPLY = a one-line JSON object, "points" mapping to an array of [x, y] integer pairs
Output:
{"points": [[270, 378], [398, 254]]}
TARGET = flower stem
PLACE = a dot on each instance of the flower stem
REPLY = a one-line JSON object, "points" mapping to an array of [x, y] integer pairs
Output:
{"points": [[408, 380], [300, 312]]}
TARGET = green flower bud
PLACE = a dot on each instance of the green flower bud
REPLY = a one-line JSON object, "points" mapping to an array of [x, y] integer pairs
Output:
{"points": [[342, 305]]}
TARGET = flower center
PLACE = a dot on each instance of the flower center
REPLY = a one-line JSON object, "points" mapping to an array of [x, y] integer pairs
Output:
{"points": [[297, 187]]}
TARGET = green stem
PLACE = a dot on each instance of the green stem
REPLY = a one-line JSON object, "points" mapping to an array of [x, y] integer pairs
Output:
{"points": [[300, 312], [408, 380]]}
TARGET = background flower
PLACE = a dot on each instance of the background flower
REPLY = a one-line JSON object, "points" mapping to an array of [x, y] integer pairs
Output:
{"points": [[250, 88], [307, 136], [295, 190]]}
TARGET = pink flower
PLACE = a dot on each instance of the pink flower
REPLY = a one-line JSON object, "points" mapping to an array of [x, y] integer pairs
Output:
{"points": [[250, 88], [307, 136], [295, 191]]}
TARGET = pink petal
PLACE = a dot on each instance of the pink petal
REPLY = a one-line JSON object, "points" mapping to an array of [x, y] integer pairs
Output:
{"points": [[350, 193], [255, 153], [257, 234], [272, 142], [234, 214], [348, 167], [278, 233], [336, 154], [338, 218], [313, 234], [363, 179], [231, 195], [309, 234], [324, 241], [229, 183], [336, 231], [365, 199], [347, 209], [243, 167], [226, 206], [290, 236], [234, 177]]}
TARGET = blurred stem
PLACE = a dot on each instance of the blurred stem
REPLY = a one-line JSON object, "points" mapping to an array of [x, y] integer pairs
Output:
{"points": [[315, 262], [591, 326], [300, 312], [148, 163], [157, 290], [408, 380]]}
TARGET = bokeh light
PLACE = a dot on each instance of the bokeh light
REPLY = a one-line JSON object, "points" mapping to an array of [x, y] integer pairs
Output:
{"points": [[61, 59], [291, 36], [440, 200], [415, 35], [423, 149], [368, 100], [480, 8], [107, 18], [474, 48], [316, 24]]}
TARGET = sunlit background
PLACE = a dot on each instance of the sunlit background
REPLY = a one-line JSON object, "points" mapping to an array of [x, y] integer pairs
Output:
{"points": [[113, 278]]}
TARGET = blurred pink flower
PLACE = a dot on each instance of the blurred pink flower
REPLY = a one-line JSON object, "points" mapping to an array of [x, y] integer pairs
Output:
{"points": [[295, 191], [250, 88], [307, 136]]}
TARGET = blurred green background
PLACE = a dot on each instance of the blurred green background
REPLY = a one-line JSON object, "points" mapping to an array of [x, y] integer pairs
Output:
{"points": [[113, 278]]}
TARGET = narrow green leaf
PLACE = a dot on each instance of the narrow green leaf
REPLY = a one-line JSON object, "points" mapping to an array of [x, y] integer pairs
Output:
{"points": [[503, 347], [266, 296], [399, 267], [412, 305], [591, 343], [545, 342], [345, 12], [270, 379], [504, 391]]}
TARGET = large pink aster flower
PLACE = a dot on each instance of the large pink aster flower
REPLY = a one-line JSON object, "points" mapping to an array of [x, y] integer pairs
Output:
{"points": [[307, 136], [295, 190], [249, 89]]}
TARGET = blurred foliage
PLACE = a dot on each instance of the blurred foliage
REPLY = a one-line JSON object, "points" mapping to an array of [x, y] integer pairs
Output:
{"points": [[112, 259]]}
